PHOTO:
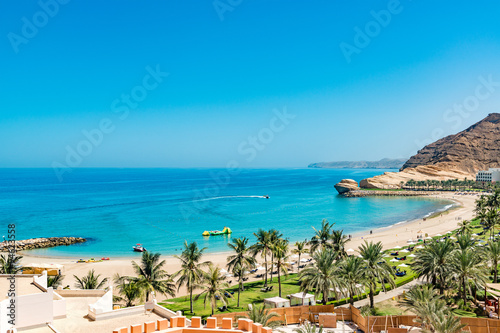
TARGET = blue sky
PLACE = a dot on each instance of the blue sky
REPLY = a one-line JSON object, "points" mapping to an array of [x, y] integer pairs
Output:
{"points": [[228, 78]]}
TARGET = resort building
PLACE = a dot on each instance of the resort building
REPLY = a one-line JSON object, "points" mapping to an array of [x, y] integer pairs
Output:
{"points": [[41, 309], [490, 176]]}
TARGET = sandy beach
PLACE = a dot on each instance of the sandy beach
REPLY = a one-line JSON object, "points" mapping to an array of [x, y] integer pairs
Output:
{"points": [[389, 236]]}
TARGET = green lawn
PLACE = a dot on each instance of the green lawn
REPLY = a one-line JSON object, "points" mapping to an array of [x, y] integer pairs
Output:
{"points": [[252, 294]]}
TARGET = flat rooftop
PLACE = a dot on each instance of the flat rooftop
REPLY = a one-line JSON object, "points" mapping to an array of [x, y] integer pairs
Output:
{"points": [[24, 286], [77, 321]]}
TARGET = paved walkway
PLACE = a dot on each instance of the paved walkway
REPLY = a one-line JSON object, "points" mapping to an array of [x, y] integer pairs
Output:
{"points": [[388, 295]]}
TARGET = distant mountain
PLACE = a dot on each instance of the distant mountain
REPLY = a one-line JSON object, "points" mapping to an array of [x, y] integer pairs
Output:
{"points": [[456, 156], [385, 163]]}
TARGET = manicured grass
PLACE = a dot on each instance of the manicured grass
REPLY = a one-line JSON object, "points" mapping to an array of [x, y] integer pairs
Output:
{"points": [[251, 295]]}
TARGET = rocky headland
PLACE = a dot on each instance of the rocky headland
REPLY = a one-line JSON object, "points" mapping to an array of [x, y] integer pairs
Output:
{"points": [[457, 156], [38, 243]]}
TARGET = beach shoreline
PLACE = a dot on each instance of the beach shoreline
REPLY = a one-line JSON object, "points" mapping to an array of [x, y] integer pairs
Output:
{"points": [[391, 236]]}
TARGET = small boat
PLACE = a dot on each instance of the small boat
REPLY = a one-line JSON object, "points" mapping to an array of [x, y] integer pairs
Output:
{"points": [[81, 261], [105, 258], [225, 231], [266, 196], [138, 248]]}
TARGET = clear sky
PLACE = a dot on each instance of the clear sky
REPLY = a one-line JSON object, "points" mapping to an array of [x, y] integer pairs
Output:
{"points": [[268, 83]]}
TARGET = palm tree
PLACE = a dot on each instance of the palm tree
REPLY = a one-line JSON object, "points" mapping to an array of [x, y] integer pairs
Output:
{"points": [[323, 276], [261, 315], [151, 277], [10, 264], [275, 237], [263, 246], [54, 281], [213, 286], [339, 240], [90, 281], [308, 328], [371, 253], [190, 274], [431, 309], [351, 271], [130, 290], [321, 238], [467, 267], [433, 263], [280, 251], [465, 227], [492, 252], [240, 261], [300, 249]]}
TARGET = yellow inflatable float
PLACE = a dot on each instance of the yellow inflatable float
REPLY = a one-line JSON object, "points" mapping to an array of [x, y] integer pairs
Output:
{"points": [[225, 231]]}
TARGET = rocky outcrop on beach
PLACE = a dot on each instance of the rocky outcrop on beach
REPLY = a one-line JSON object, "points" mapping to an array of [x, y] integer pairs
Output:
{"points": [[457, 156], [381, 193], [38, 243], [346, 185]]}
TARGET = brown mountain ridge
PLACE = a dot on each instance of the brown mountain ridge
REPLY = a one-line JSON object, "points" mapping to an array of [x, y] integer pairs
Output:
{"points": [[457, 156]]}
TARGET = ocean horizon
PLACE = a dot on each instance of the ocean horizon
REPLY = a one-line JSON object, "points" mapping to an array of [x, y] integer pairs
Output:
{"points": [[161, 208]]}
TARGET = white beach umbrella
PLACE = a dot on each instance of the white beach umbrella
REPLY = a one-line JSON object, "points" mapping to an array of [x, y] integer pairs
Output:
{"points": [[439, 235], [451, 237], [228, 275], [479, 244], [449, 232], [412, 243], [403, 265], [304, 260], [349, 250], [474, 234], [295, 256], [222, 271], [405, 251], [420, 247], [412, 255], [393, 260], [428, 237], [359, 255], [397, 247], [261, 269]]}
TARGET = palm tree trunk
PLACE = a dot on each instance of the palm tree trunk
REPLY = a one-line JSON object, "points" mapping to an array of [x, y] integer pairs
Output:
{"points": [[191, 299], [239, 289], [495, 273], [371, 297], [351, 299], [272, 264], [279, 282], [465, 293], [265, 259]]}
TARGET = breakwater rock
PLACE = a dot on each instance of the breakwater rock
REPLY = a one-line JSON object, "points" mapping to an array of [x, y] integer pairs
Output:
{"points": [[38, 243], [381, 193], [346, 185]]}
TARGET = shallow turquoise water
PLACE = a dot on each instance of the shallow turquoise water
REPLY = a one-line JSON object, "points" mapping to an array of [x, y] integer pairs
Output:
{"points": [[160, 208]]}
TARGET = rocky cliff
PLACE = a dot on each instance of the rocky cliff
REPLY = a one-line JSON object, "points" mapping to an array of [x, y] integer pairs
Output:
{"points": [[456, 156]]}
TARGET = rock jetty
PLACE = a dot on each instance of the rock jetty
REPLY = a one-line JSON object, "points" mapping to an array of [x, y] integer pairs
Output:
{"points": [[39, 243], [382, 193]]}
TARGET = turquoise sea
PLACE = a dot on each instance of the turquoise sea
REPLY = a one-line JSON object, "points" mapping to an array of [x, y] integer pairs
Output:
{"points": [[161, 208]]}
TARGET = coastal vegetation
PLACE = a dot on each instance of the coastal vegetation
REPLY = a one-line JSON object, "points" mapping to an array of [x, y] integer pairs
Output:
{"points": [[10, 264], [448, 185], [90, 281]]}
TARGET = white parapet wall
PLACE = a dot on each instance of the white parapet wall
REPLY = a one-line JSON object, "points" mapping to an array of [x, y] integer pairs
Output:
{"points": [[103, 305]]}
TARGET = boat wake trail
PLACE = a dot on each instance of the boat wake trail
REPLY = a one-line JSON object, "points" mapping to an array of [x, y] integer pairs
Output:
{"points": [[234, 197]]}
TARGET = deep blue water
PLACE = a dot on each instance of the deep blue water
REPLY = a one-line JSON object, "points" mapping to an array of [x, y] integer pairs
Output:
{"points": [[117, 208]]}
